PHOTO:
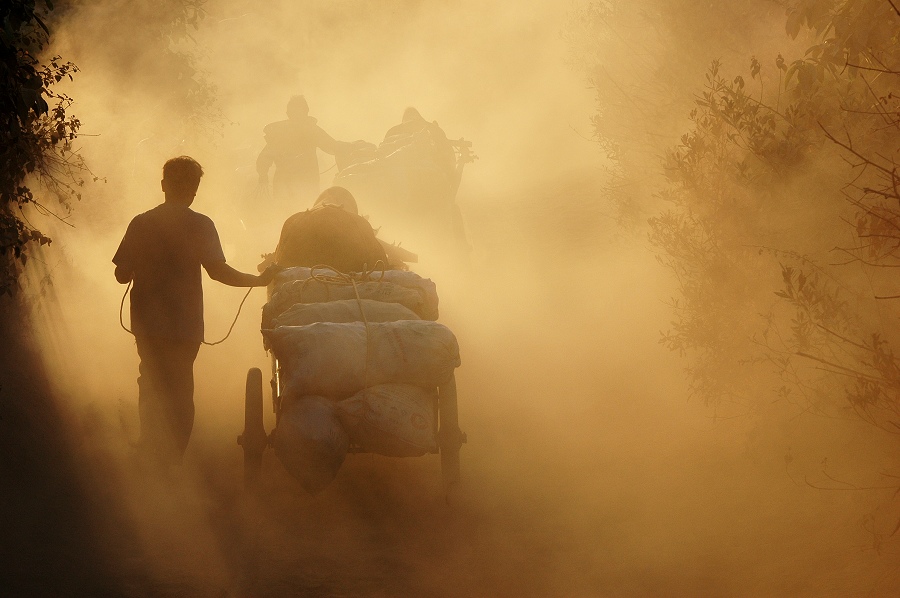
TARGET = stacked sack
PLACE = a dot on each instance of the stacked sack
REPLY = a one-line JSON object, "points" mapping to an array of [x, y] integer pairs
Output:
{"points": [[345, 380]]}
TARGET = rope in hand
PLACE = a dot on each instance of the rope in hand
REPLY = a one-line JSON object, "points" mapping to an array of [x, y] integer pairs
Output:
{"points": [[230, 328]]}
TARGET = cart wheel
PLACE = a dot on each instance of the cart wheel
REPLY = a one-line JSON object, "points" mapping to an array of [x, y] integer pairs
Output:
{"points": [[253, 440], [450, 438]]}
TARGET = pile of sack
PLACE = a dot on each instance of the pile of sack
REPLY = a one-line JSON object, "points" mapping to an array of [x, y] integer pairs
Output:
{"points": [[357, 366]]}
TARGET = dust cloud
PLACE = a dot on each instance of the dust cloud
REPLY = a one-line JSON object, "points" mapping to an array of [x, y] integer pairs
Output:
{"points": [[587, 471]]}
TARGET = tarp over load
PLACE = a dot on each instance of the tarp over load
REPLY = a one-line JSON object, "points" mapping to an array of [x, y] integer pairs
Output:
{"points": [[302, 285]]}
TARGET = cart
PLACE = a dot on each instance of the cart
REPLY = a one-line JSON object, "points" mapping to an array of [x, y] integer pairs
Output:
{"points": [[254, 440], [396, 190]]}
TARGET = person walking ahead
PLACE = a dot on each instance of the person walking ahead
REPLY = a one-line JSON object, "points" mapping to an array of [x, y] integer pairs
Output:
{"points": [[161, 254], [291, 147]]}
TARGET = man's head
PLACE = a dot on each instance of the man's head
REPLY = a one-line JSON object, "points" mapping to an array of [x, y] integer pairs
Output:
{"points": [[297, 107], [181, 178], [337, 196]]}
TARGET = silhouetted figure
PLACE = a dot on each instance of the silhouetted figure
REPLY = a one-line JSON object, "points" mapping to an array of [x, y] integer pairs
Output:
{"points": [[330, 233], [414, 178], [431, 141], [161, 254], [291, 147]]}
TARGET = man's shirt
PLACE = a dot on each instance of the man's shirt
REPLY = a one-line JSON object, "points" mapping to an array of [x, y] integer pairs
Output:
{"points": [[291, 144], [164, 248]]}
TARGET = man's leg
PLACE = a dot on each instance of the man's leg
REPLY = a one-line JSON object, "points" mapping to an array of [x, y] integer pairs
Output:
{"points": [[166, 398], [151, 404], [180, 393]]}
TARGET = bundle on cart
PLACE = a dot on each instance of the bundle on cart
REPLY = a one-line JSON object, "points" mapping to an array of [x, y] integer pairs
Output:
{"points": [[338, 360], [306, 285], [360, 364]]}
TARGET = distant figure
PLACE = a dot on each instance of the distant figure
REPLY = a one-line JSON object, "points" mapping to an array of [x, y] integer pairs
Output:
{"points": [[291, 146], [411, 122], [330, 233], [161, 254], [413, 128]]}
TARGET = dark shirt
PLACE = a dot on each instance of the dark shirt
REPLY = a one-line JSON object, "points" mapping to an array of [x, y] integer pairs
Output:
{"points": [[164, 249], [328, 235], [291, 145]]}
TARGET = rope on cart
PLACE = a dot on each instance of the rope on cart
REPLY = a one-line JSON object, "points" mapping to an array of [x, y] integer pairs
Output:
{"points": [[342, 278], [218, 342]]}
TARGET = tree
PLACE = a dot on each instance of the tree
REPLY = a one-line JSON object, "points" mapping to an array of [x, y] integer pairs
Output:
{"points": [[780, 221], [52, 537], [36, 133], [732, 176]]}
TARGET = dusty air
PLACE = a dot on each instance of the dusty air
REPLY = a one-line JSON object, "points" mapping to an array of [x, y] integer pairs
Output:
{"points": [[450, 298]]}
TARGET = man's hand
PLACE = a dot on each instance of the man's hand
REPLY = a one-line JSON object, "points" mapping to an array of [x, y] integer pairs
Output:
{"points": [[222, 272], [123, 275], [268, 275]]}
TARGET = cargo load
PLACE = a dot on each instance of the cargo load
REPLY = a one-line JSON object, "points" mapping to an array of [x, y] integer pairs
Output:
{"points": [[396, 420], [428, 309], [314, 291], [310, 441], [345, 310], [337, 360]]}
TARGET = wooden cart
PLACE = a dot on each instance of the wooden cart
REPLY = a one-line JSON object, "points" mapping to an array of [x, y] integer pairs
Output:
{"points": [[254, 438]]}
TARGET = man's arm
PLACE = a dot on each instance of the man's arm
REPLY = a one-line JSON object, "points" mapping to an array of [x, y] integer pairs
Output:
{"points": [[327, 143], [222, 272], [127, 254]]}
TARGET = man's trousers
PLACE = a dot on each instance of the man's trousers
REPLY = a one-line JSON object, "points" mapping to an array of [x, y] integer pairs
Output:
{"points": [[166, 396]]}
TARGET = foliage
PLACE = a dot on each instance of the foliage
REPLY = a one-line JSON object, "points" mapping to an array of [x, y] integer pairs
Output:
{"points": [[863, 38], [779, 215], [641, 60], [720, 193], [191, 94], [36, 134], [841, 340], [795, 171], [732, 174]]}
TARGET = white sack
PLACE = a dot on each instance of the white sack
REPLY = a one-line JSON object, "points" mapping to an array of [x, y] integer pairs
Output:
{"points": [[310, 441], [313, 291], [404, 278], [330, 359], [396, 420], [345, 310]]}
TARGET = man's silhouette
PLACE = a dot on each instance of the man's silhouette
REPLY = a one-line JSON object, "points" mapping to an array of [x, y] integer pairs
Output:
{"points": [[291, 147], [161, 254]]}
